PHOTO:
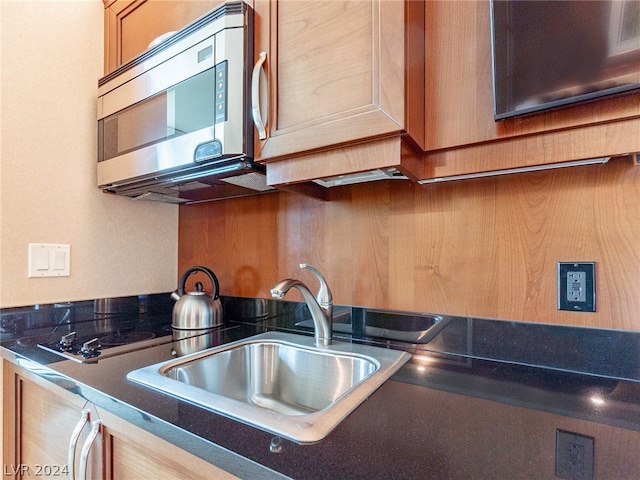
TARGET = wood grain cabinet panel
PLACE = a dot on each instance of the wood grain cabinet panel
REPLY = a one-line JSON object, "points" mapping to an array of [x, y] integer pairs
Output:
{"points": [[461, 136], [130, 25], [337, 73], [134, 453], [39, 425]]}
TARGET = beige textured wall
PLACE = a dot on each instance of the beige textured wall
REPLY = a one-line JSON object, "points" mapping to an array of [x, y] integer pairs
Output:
{"points": [[51, 58]]}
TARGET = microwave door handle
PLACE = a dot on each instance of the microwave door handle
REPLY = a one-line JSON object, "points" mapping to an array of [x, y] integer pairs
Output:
{"points": [[255, 96]]}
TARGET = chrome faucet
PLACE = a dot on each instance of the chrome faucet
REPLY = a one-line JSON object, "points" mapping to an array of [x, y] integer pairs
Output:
{"points": [[321, 306]]}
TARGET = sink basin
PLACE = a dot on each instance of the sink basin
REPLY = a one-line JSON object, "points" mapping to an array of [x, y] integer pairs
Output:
{"points": [[279, 377], [278, 382]]}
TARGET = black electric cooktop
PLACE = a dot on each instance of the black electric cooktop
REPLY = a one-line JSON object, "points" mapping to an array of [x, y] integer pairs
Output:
{"points": [[106, 337]]}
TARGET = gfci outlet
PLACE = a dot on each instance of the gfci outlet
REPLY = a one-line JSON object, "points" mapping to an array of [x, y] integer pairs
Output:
{"points": [[574, 456], [576, 286]]}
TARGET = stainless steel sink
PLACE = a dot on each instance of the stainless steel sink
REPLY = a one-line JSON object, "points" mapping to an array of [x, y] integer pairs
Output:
{"points": [[279, 377], [278, 382]]}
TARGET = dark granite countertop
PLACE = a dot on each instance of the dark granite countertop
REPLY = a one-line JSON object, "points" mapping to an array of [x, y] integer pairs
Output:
{"points": [[471, 367]]}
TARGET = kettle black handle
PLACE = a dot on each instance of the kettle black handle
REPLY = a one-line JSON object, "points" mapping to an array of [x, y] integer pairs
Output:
{"points": [[212, 276]]}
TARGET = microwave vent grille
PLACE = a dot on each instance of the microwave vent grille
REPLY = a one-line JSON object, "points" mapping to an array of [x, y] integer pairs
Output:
{"points": [[253, 181], [160, 197]]}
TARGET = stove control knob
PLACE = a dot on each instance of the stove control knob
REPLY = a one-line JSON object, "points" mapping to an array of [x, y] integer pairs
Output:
{"points": [[90, 348], [66, 342]]}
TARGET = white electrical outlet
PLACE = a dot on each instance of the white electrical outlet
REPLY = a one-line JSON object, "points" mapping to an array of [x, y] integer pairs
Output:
{"points": [[49, 260]]}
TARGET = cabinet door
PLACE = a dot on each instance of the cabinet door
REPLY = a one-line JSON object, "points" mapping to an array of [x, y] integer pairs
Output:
{"points": [[39, 421], [130, 25], [133, 453], [38, 437], [335, 73], [461, 136]]}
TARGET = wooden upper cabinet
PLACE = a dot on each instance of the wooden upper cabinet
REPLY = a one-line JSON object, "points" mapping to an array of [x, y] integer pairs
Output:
{"points": [[130, 25], [461, 135], [336, 72]]}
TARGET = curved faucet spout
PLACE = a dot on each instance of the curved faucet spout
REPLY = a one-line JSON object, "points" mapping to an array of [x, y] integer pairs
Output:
{"points": [[324, 296], [321, 310]]}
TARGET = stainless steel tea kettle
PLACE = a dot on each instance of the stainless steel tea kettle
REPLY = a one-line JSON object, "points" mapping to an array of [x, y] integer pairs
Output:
{"points": [[195, 310]]}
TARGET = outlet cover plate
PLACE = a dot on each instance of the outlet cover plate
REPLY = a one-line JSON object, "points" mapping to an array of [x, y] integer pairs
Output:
{"points": [[574, 456], [577, 286]]}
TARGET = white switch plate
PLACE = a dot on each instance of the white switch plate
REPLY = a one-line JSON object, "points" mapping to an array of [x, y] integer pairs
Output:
{"points": [[49, 260]]}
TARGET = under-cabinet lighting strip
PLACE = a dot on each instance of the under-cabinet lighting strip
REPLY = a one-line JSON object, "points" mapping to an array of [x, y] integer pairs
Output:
{"points": [[507, 171], [368, 176]]}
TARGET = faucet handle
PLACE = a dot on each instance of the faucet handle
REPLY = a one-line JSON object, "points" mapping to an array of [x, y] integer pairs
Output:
{"points": [[324, 296]]}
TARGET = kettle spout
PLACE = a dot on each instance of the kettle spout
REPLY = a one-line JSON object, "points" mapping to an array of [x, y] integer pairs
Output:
{"points": [[175, 295]]}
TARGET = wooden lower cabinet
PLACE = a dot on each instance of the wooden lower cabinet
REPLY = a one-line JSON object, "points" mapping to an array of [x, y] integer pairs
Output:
{"points": [[134, 453], [39, 420]]}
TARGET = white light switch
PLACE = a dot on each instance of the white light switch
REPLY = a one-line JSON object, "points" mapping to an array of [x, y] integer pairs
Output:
{"points": [[42, 260], [59, 259], [49, 260]]}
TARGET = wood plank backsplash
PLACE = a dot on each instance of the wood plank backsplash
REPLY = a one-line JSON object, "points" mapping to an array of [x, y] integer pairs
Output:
{"points": [[486, 248]]}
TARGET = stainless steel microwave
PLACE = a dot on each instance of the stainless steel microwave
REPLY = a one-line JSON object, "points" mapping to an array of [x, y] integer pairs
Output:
{"points": [[174, 124]]}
